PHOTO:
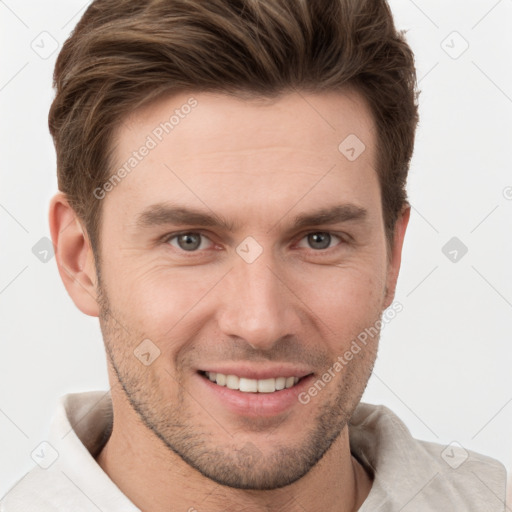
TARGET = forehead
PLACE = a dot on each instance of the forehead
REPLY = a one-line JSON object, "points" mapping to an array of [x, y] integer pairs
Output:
{"points": [[205, 147], [221, 121]]}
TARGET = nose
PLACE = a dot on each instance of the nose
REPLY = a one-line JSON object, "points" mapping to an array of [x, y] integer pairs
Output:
{"points": [[257, 304]]}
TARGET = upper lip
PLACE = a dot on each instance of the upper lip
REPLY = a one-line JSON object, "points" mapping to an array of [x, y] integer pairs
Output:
{"points": [[255, 372]]}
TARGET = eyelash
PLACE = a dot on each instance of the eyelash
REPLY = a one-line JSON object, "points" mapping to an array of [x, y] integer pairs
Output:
{"points": [[170, 236]]}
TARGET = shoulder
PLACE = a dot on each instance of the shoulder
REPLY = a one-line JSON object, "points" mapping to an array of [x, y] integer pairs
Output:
{"points": [[37, 491], [420, 475], [68, 476]]}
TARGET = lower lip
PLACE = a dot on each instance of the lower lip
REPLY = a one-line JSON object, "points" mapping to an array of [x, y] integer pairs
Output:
{"points": [[256, 404]]}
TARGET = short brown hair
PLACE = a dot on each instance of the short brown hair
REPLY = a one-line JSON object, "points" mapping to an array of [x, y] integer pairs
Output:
{"points": [[124, 53]]}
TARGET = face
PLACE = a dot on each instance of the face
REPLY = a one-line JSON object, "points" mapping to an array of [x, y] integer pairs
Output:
{"points": [[248, 251]]}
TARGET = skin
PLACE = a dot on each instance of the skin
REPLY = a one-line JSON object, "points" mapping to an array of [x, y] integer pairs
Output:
{"points": [[258, 164]]}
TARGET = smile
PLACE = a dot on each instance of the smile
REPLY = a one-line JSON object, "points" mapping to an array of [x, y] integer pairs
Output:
{"points": [[245, 385]]}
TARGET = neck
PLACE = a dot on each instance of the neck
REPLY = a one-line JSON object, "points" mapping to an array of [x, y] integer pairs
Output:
{"points": [[153, 477]]}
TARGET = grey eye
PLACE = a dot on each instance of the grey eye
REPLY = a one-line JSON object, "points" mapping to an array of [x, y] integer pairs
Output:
{"points": [[319, 240], [189, 241]]}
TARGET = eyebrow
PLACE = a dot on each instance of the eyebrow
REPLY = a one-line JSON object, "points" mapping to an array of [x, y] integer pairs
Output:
{"points": [[168, 214]]}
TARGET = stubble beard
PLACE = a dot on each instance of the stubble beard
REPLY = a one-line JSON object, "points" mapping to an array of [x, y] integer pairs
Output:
{"points": [[236, 463]]}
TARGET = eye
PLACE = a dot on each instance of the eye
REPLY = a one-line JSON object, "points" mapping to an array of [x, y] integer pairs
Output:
{"points": [[320, 240], [189, 241]]}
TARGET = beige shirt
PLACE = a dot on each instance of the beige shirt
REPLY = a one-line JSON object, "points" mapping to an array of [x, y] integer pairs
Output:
{"points": [[409, 475]]}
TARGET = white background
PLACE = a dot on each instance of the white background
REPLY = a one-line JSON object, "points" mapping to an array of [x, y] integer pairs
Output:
{"points": [[445, 361]]}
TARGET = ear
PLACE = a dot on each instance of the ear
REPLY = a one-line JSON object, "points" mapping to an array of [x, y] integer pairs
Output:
{"points": [[395, 257], [74, 255]]}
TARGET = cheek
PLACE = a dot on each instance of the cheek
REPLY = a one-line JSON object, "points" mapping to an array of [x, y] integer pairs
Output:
{"points": [[160, 301], [346, 299]]}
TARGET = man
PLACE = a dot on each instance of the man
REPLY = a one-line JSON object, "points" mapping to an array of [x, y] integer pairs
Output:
{"points": [[232, 207]]}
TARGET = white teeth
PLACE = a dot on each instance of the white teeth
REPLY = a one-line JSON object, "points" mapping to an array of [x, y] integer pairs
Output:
{"points": [[232, 382], [252, 385], [266, 385], [248, 385], [280, 383]]}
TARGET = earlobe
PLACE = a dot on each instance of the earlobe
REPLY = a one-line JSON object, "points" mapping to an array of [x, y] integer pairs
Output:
{"points": [[396, 254], [73, 254]]}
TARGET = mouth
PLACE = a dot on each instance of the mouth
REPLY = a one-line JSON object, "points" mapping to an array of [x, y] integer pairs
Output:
{"points": [[246, 385], [252, 391]]}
